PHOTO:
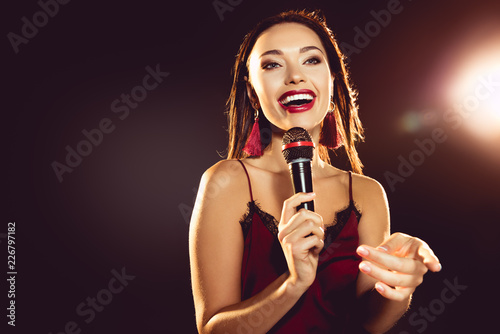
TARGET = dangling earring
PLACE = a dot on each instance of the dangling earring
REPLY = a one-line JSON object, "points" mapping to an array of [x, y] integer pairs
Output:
{"points": [[253, 146], [329, 136]]}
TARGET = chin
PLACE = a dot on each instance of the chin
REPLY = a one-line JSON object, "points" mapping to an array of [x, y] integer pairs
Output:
{"points": [[308, 125], [306, 121]]}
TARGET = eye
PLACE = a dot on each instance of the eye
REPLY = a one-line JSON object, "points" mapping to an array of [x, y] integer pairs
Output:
{"points": [[270, 65], [313, 60]]}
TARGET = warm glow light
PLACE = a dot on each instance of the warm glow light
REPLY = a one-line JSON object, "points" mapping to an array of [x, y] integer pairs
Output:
{"points": [[475, 94], [414, 121]]}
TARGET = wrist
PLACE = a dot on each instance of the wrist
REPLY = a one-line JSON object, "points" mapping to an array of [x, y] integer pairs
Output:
{"points": [[293, 287]]}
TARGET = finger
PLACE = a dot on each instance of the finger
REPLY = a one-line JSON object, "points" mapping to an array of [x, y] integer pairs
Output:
{"points": [[303, 246], [396, 243], [304, 230], [388, 277], [391, 262], [303, 217], [428, 257], [300, 218], [396, 294], [291, 203], [403, 245], [419, 249]]}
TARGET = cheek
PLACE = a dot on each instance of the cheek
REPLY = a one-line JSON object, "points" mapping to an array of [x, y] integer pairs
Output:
{"points": [[325, 87], [326, 80], [266, 87], [322, 78], [324, 84]]}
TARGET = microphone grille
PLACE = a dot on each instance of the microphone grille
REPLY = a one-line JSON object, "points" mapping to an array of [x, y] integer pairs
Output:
{"points": [[295, 135]]}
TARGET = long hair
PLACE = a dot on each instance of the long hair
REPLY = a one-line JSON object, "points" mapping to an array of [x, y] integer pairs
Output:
{"points": [[241, 114]]}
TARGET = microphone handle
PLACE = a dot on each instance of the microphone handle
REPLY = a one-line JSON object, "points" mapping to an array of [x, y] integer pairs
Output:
{"points": [[302, 180]]}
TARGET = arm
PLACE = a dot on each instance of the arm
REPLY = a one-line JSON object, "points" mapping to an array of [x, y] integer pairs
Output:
{"points": [[393, 265], [216, 248]]}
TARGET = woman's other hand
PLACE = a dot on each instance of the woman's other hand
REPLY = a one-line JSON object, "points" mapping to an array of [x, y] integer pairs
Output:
{"points": [[398, 264]]}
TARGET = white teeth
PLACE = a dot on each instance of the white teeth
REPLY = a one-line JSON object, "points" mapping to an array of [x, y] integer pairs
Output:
{"points": [[295, 97]]}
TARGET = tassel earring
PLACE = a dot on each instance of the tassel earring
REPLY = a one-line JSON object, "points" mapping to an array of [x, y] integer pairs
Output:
{"points": [[329, 136], [253, 146]]}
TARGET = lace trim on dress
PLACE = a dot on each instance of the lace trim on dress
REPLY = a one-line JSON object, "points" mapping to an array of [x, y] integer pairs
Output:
{"points": [[269, 221], [331, 232], [341, 218]]}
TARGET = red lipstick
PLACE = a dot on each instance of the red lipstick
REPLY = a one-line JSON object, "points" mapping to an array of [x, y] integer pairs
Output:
{"points": [[297, 108]]}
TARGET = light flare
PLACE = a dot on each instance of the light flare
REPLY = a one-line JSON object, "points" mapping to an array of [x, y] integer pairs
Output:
{"points": [[475, 94]]}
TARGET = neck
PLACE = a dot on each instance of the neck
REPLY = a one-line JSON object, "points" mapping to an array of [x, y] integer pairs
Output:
{"points": [[273, 160]]}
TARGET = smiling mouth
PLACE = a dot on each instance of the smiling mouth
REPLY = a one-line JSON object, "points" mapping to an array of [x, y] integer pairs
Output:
{"points": [[297, 100]]}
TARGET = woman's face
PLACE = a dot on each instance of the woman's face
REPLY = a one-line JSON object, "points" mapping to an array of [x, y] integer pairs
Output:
{"points": [[290, 76]]}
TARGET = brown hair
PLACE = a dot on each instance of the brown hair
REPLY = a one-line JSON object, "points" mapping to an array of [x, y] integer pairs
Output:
{"points": [[241, 114]]}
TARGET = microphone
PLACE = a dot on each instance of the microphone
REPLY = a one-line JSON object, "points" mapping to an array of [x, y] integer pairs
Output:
{"points": [[298, 152]]}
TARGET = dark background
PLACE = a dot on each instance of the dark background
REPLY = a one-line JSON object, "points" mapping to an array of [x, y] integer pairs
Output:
{"points": [[127, 205]]}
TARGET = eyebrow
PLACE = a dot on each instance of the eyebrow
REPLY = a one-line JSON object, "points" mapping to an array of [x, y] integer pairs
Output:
{"points": [[279, 52]]}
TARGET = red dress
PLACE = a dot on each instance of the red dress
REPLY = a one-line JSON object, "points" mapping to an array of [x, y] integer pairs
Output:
{"points": [[326, 305]]}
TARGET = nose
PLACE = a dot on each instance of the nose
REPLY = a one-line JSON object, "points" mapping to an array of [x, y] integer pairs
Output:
{"points": [[294, 75]]}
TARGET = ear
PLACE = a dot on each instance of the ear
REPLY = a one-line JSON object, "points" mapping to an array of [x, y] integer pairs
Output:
{"points": [[252, 96], [333, 87]]}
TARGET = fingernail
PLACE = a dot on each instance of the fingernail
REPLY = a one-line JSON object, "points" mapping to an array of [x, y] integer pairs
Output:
{"points": [[439, 267], [383, 249], [379, 287], [363, 251], [364, 267], [311, 194]]}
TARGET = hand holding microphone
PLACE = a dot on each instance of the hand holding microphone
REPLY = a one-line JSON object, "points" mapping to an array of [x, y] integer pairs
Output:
{"points": [[301, 232]]}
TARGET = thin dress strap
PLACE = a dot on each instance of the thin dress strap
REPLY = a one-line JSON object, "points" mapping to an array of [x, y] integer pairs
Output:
{"points": [[248, 178], [350, 187]]}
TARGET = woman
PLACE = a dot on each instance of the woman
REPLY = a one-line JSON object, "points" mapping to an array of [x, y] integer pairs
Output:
{"points": [[282, 270]]}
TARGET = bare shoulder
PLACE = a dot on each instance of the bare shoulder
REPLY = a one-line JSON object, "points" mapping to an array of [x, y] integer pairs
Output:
{"points": [[366, 183], [223, 177], [223, 190], [367, 191]]}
